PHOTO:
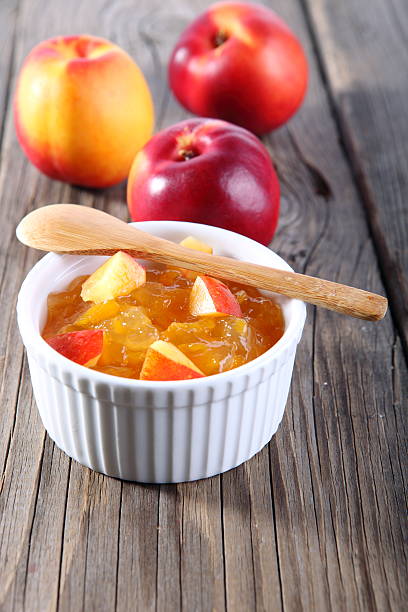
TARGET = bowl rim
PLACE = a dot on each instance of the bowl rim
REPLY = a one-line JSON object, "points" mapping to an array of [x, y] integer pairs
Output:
{"points": [[28, 329]]}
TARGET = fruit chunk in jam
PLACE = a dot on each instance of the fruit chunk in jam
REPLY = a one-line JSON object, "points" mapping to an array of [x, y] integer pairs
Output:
{"points": [[159, 310]]}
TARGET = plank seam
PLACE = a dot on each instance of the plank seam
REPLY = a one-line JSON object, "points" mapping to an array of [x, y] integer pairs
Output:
{"points": [[10, 439], [378, 510], [20, 380], [162, 109], [319, 459], [349, 522], [181, 536], [118, 546], [63, 533], [252, 550], [394, 404], [224, 564], [326, 219], [321, 546], [275, 529], [88, 513], [319, 181], [395, 486], [369, 591], [157, 64], [157, 548], [335, 542], [6, 265], [38, 478]]}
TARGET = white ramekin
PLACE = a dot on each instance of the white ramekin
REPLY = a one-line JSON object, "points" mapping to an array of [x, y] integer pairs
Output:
{"points": [[151, 431]]}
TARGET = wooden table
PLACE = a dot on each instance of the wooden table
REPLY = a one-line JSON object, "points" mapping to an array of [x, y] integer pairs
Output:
{"points": [[316, 520]]}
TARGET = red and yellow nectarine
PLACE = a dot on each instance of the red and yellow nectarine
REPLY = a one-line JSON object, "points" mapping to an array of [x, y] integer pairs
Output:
{"points": [[119, 275], [83, 347], [210, 296], [193, 243], [164, 361], [82, 110]]}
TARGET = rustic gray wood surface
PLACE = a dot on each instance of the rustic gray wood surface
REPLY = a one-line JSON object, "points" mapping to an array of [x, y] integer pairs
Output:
{"points": [[316, 520]]}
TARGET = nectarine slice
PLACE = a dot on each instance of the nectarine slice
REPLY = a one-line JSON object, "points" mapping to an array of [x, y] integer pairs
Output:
{"points": [[193, 243], [97, 313], [210, 296], [119, 275], [83, 347], [164, 361]]}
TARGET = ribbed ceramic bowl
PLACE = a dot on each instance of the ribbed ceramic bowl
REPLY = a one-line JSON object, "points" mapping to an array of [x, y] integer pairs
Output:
{"points": [[151, 431]]}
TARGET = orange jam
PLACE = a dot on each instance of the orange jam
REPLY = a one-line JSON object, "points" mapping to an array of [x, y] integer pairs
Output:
{"points": [[159, 310]]}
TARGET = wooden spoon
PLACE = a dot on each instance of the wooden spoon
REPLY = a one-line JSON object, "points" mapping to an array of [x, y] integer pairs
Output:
{"points": [[70, 228]]}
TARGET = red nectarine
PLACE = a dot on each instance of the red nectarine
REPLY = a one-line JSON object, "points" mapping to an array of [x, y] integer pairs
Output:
{"points": [[239, 62], [206, 171]]}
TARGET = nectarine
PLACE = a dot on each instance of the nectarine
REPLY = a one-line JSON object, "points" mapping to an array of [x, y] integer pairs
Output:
{"points": [[206, 171], [119, 275], [82, 110], [193, 243], [239, 62]]}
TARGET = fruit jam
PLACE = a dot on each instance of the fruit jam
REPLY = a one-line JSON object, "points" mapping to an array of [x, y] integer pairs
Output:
{"points": [[159, 310]]}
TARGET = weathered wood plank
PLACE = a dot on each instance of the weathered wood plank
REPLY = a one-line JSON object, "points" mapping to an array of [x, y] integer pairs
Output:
{"points": [[168, 550], [138, 536], [364, 54], [190, 573], [253, 580], [8, 19], [90, 556], [201, 559], [326, 477], [313, 522], [18, 498], [40, 587]]}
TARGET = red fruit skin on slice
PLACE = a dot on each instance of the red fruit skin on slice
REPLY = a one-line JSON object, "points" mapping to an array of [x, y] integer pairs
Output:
{"points": [[224, 300], [167, 370], [82, 347]]}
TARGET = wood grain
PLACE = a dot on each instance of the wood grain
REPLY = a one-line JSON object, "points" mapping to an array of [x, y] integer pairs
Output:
{"points": [[316, 521]]}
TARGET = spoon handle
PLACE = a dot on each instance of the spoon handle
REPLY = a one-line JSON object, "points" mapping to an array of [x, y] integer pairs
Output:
{"points": [[328, 294], [66, 228]]}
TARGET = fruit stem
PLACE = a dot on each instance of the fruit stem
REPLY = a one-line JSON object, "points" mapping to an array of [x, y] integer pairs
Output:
{"points": [[220, 38], [187, 153]]}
